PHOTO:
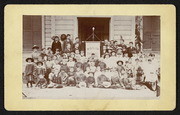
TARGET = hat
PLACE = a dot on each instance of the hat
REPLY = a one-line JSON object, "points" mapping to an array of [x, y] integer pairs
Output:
{"points": [[120, 61], [32, 60], [48, 48], [35, 47], [63, 37], [106, 84], [106, 54], [53, 38], [39, 62]]}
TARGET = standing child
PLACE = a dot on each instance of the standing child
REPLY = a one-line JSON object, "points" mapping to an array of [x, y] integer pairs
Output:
{"points": [[29, 71], [40, 73]]}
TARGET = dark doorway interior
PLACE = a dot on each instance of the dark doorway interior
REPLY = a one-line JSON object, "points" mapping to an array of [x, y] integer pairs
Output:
{"points": [[32, 32], [151, 32], [85, 25]]}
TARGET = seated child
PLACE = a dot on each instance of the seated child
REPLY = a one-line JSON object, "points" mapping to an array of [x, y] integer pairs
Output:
{"points": [[55, 80], [80, 78], [63, 76], [139, 76], [101, 64], [115, 77], [78, 64], [129, 82], [85, 64], [71, 77], [71, 62], [90, 81], [40, 73], [29, 71], [92, 66], [64, 66], [103, 81]]}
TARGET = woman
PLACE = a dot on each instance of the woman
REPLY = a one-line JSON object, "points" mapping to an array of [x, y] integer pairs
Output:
{"points": [[56, 44]]}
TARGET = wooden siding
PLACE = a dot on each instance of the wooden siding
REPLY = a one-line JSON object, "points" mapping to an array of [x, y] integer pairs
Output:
{"points": [[123, 26]]}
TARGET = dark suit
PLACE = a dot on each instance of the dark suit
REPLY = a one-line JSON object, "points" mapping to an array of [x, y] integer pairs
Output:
{"points": [[130, 51]]}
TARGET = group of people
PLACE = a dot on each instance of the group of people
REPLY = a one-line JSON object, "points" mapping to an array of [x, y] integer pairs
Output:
{"points": [[65, 64]]}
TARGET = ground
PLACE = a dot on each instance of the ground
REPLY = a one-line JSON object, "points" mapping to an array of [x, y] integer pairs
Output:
{"points": [[87, 93]]}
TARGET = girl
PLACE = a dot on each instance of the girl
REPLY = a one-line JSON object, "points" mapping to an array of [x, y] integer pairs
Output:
{"points": [[56, 44], [40, 73], [29, 71]]}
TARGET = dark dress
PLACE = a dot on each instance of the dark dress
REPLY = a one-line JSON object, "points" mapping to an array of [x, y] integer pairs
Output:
{"points": [[56, 45], [29, 72]]}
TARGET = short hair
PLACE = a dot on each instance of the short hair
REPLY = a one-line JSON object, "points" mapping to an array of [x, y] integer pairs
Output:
{"points": [[68, 35]]}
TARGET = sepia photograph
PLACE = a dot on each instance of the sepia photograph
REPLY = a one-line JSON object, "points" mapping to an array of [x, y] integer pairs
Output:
{"points": [[91, 57]]}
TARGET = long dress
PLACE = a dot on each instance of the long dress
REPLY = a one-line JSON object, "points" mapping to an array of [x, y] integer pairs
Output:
{"points": [[29, 72]]}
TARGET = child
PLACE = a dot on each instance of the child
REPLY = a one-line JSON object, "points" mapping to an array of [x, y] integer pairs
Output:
{"points": [[40, 73], [64, 65], [49, 52], [92, 66], [90, 81], [80, 77], [131, 49], [29, 71], [71, 62], [63, 76], [78, 64], [85, 64], [68, 48], [139, 76], [71, 77], [67, 43], [123, 46], [48, 65], [97, 74], [56, 44], [115, 78], [130, 81], [101, 64], [35, 54], [43, 53], [55, 80], [119, 67], [103, 80]]}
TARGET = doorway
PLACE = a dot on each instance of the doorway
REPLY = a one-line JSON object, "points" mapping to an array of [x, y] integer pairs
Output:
{"points": [[101, 28], [151, 33]]}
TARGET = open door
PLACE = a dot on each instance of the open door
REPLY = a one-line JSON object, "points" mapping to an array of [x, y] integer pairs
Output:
{"points": [[151, 33]]}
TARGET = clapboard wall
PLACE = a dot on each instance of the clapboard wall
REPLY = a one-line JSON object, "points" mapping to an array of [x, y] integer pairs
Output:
{"points": [[57, 25], [123, 26]]}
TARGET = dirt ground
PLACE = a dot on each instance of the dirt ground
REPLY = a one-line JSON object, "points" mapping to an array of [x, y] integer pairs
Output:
{"points": [[87, 93]]}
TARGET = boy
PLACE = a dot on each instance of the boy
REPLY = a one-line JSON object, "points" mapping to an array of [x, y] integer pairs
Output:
{"points": [[29, 71], [131, 50]]}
